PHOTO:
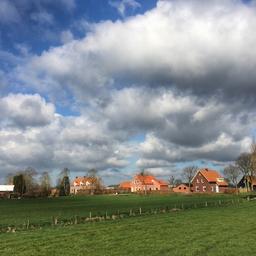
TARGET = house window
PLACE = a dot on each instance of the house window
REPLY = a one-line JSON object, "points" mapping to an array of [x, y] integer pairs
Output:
{"points": [[204, 188], [197, 180], [202, 181], [185, 188], [179, 187], [197, 189], [212, 189]]}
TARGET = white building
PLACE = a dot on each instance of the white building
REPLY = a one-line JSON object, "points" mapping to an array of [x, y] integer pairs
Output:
{"points": [[6, 188]]}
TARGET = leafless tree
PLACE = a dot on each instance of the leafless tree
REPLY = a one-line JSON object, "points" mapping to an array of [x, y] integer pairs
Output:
{"points": [[171, 181], [253, 157], [96, 180], [29, 176], [245, 165], [188, 173], [45, 183], [232, 173]]}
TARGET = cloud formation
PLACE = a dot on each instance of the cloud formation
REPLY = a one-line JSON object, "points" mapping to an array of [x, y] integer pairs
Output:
{"points": [[182, 74]]}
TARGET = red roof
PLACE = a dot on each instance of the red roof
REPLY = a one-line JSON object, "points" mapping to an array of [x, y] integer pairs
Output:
{"points": [[145, 179], [213, 176], [125, 185], [78, 180], [150, 180]]}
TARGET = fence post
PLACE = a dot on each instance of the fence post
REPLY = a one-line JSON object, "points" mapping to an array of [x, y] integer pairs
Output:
{"points": [[90, 215], [27, 223], [219, 202], [206, 204], [140, 211]]}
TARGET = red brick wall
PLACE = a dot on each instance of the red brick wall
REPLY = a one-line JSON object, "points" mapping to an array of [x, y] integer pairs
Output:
{"points": [[200, 182]]}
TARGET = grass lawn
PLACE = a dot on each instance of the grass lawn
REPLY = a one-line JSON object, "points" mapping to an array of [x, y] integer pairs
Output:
{"points": [[210, 231], [40, 211]]}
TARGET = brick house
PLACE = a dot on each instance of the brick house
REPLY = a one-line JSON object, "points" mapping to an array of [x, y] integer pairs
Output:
{"points": [[82, 184], [181, 188], [147, 183], [208, 181]]}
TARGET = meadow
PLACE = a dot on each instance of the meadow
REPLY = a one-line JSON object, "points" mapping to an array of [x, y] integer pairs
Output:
{"points": [[219, 231], [42, 210]]}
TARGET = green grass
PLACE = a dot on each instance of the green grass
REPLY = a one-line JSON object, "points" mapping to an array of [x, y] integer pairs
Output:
{"points": [[210, 231], [41, 211]]}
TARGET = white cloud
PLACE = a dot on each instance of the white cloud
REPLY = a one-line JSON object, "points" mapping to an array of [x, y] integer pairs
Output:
{"points": [[204, 49], [123, 5], [66, 36], [183, 73], [25, 110]]}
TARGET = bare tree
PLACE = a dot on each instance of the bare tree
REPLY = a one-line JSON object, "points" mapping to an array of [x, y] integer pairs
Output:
{"points": [[64, 182], [188, 173], [245, 165], [96, 180], [29, 176], [171, 181], [45, 183], [253, 157], [232, 173]]}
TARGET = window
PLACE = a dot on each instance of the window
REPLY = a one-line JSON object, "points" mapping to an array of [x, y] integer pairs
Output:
{"points": [[197, 188], [179, 187], [185, 188], [212, 189], [202, 180], [204, 188], [197, 180]]}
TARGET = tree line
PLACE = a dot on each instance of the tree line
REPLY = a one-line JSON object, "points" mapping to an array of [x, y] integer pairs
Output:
{"points": [[31, 184]]}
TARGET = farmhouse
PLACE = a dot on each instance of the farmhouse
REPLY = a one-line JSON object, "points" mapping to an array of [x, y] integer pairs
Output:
{"points": [[147, 183], [181, 188], [83, 184], [208, 181], [247, 182]]}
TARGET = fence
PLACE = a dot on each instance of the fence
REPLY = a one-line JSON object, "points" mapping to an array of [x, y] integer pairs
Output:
{"points": [[119, 214]]}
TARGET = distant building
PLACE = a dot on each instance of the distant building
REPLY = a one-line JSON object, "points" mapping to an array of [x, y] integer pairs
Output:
{"points": [[247, 182], [126, 185], [147, 183], [208, 181], [6, 190], [83, 184], [181, 188]]}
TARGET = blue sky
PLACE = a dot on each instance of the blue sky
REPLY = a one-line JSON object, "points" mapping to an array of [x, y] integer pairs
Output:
{"points": [[125, 85]]}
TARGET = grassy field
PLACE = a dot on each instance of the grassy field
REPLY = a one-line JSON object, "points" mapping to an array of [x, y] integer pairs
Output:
{"points": [[213, 231], [41, 211]]}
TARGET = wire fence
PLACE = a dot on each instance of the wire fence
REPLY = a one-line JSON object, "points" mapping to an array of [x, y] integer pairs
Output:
{"points": [[112, 215]]}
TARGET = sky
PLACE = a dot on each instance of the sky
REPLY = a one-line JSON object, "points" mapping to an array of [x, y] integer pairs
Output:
{"points": [[126, 85]]}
